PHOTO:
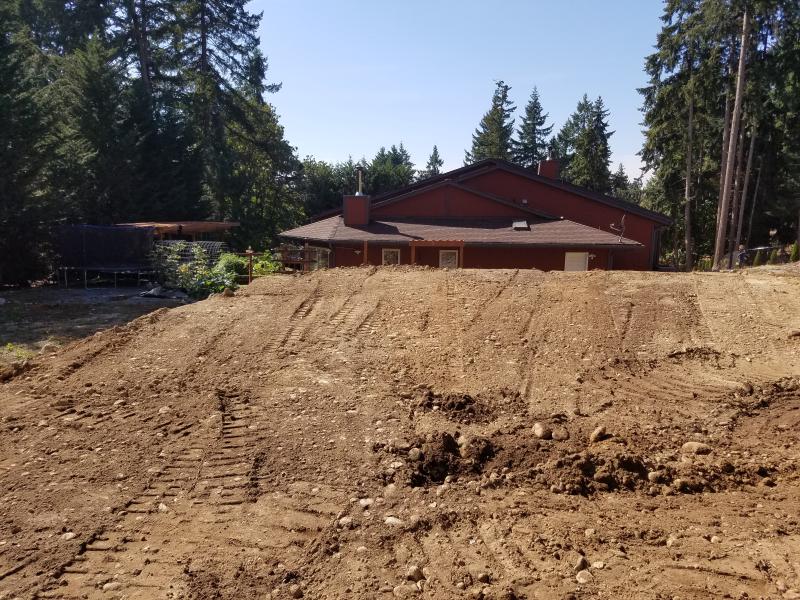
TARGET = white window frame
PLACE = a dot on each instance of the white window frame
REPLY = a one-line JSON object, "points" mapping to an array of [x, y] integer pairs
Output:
{"points": [[585, 262], [443, 252], [385, 251]]}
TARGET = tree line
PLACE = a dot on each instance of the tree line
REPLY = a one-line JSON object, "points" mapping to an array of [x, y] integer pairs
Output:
{"points": [[126, 110]]}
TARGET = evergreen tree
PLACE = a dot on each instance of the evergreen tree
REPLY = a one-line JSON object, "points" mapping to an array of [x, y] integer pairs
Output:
{"points": [[562, 146], [389, 170], [92, 167], [530, 147], [24, 152], [586, 134], [434, 165], [493, 137]]}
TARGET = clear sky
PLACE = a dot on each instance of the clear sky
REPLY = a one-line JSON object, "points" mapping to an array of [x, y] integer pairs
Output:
{"points": [[360, 75]]}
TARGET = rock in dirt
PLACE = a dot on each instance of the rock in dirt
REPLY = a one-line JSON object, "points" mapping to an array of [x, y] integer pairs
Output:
{"points": [[582, 564], [696, 448], [70, 535], [598, 434], [111, 586], [393, 522], [414, 573], [560, 434], [405, 591], [583, 577], [542, 431], [295, 591], [414, 454]]}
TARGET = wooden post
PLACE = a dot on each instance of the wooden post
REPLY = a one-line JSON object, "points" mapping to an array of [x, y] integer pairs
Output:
{"points": [[365, 260], [461, 256], [249, 253], [413, 253], [305, 258]]}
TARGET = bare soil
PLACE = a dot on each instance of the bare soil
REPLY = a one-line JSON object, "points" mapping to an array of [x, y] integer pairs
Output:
{"points": [[398, 432]]}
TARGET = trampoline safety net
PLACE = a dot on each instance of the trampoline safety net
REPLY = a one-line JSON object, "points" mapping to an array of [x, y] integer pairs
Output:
{"points": [[106, 248]]}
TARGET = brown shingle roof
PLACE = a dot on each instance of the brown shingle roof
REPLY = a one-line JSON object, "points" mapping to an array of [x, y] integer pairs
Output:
{"points": [[475, 232]]}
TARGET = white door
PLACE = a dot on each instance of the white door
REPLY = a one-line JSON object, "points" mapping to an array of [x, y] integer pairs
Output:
{"points": [[576, 261], [448, 259]]}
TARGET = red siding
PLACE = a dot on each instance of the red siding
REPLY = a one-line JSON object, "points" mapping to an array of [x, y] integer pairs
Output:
{"points": [[560, 203], [477, 257], [446, 202]]}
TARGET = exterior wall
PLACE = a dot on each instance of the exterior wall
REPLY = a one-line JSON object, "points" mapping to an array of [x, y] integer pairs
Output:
{"points": [[544, 259], [560, 203], [478, 257], [447, 202]]}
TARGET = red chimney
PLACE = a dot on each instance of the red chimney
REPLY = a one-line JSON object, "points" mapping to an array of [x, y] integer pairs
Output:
{"points": [[356, 210], [549, 168]]}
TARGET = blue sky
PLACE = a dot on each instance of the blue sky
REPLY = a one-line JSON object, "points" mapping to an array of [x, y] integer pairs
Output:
{"points": [[359, 75]]}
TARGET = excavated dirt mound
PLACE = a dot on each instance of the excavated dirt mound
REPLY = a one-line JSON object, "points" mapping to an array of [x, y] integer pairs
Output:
{"points": [[398, 432]]}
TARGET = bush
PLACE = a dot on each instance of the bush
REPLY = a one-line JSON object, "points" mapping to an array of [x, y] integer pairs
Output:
{"points": [[759, 259], [794, 254], [773, 257], [231, 264], [264, 265], [193, 276]]}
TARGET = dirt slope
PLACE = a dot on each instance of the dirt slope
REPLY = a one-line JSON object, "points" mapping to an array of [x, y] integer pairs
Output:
{"points": [[370, 433]]}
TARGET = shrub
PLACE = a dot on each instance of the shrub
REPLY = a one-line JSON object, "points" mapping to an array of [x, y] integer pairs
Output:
{"points": [[266, 264], [231, 264], [794, 254], [759, 259], [773, 257], [194, 276]]}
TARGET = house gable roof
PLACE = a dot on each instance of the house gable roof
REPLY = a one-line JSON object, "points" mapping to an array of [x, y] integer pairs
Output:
{"points": [[399, 197], [456, 176], [473, 232]]}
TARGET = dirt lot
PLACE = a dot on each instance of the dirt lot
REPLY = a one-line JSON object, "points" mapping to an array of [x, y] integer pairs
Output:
{"points": [[379, 433], [48, 317]]}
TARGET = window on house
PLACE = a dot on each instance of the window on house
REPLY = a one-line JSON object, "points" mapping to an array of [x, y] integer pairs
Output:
{"points": [[448, 259], [390, 256]]}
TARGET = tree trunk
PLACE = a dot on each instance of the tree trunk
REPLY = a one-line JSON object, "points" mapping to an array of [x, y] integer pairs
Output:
{"points": [[719, 244], [735, 197], [753, 205], [139, 32], [745, 186], [726, 134], [687, 192]]}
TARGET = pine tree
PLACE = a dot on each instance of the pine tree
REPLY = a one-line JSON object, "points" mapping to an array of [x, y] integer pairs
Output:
{"points": [[94, 156], [433, 166], [562, 146], [389, 170], [530, 147], [493, 137], [588, 166], [24, 151]]}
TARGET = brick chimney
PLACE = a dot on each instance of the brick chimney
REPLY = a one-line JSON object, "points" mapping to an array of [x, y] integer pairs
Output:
{"points": [[356, 210], [549, 168]]}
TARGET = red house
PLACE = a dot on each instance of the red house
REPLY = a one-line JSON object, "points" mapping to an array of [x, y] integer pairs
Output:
{"points": [[491, 214]]}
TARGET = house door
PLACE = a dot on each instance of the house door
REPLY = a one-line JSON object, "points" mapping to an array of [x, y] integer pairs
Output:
{"points": [[448, 259], [576, 261]]}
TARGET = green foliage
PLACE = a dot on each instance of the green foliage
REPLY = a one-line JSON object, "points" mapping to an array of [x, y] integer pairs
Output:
{"points": [[25, 148], [389, 170], [773, 257], [493, 137], [794, 253], [265, 264], [232, 264], [530, 147], [194, 275], [433, 166], [759, 258], [694, 64], [582, 146]]}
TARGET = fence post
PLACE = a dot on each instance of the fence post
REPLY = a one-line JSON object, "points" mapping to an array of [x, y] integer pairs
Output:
{"points": [[249, 253]]}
